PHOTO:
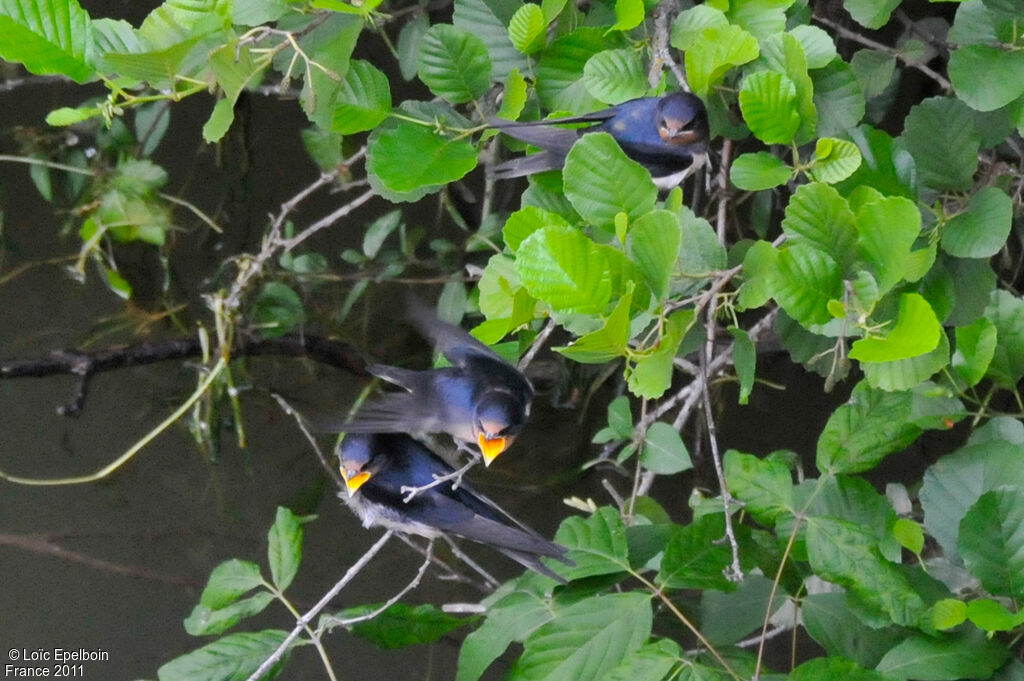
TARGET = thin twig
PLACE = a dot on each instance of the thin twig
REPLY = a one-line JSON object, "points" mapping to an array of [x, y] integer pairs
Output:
{"points": [[300, 420], [303, 621], [537, 344], [45, 545], [411, 492], [735, 571], [661, 56], [329, 622], [875, 45]]}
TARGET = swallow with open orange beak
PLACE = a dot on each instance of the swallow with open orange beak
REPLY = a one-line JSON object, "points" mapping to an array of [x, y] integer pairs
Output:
{"points": [[379, 468], [480, 399], [668, 135]]}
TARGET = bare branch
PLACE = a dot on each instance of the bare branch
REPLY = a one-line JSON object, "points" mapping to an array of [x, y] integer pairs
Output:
{"points": [[304, 621]]}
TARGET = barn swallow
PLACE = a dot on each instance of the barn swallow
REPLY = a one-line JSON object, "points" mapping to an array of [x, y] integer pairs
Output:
{"points": [[668, 135], [480, 399], [378, 470]]}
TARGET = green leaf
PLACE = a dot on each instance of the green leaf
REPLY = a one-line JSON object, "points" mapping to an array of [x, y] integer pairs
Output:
{"points": [[597, 544], [831, 622], [601, 181], [887, 230], [408, 47], [764, 485], [489, 21], [560, 85], [228, 582], [454, 63], [838, 98], [783, 53], [690, 23], [378, 232], [833, 669], [871, 13], [948, 613], [817, 45], [694, 558], [284, 548], [886, 166], [990, 615], [939, 133], [904, 374], [47, 36], [586, 640], [653, 244], [960, 656], [875, 423], [527, 30], [650, 662], [763, 18], [564, 268], [981, 230], [916, 332], [975, 348], [715, 52], [842, 552], [991, 541], [230, 658], [650, 375], [605, 344], [615, 75], [67, 116], [204, 621], [513, 97], [834, 160], [117, 283], [439, 158], [702, 256], [768, 102], [986, 77], [620, 417], [277, 309], [362, 101], [909, 534], [402, 624], [955, 482], [525, 222], [256, 12], [874, 70], [806, 280], [759, 170], [1006, 312], [819, 215], [744, 357], [727, 618], [664, 452], [510, 617], [628, 14], [176, 20]]}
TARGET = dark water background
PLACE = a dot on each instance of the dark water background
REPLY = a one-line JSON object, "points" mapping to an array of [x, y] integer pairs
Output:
{"points": [[170, 516]]}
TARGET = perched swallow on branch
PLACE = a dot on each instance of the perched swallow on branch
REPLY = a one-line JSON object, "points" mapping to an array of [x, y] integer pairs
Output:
{"points": [[380, 469], [480, 399], [668, 135]]}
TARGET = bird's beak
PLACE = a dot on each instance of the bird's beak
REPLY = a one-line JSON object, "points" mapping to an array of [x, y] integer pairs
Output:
{"points": [[491, 448], [354, 482], [679, 136]]}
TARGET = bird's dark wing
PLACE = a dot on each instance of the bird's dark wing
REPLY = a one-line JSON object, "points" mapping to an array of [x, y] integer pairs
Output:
{"points": [[527, 165], [392, 413], [532, 562], [540, 134], [452, 517], [454, 342]]}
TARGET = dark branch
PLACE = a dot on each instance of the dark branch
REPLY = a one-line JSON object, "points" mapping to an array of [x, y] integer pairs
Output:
{"points": [[85, 364]]}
